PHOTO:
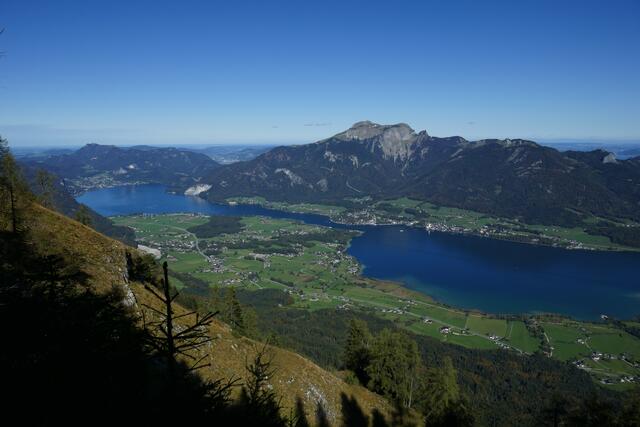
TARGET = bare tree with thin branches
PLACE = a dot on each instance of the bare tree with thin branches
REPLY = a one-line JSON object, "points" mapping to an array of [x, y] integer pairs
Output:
{"points": [[171, 341]]}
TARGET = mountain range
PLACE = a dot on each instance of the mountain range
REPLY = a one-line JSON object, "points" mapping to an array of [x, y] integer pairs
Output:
{"points": [[512, 178], [97, 165]]}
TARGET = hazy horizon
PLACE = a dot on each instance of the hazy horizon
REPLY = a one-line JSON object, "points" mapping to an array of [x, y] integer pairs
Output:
{"points": [[595, 142]]}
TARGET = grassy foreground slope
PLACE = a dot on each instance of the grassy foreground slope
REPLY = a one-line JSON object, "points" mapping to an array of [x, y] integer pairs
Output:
{"points": [[103, 259]]}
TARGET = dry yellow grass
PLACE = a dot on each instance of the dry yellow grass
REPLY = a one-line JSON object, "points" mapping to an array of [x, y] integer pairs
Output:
{"points": [[104, 260], [295, 375], [101, 257]]}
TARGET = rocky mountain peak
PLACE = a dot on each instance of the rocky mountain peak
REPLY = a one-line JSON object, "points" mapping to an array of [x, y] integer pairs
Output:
{"points": [[394, 140], [609, 158], [367, 130]]}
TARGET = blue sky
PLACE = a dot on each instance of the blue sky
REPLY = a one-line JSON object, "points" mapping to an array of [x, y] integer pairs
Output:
{"points": [[292, 72]]}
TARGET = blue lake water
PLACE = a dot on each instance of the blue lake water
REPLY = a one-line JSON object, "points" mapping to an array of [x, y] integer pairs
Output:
{"points": [[464, 271]]}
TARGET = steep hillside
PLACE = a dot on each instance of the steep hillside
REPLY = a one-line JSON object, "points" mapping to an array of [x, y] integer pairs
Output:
{"points": [[94, 166], [103, 259], [295, 376], [511, 178], [62, 201]]}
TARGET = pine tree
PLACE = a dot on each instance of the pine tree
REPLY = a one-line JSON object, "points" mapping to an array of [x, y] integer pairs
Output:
{"points": [[44, 181], [83, 215], [4, 147], [215, 301], [250, 323], [260, 402], [13, 189], [443, 387], [357, 352], [233, 312], [394, 365], [442, 402]]}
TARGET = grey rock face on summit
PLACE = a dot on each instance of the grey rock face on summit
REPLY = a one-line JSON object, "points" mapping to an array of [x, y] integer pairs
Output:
{"points": [[513, 177], [389, 133], [394, 140]]}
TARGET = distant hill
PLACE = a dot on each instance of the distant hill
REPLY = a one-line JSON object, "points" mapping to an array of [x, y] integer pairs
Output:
{"points": [[95, 166], [226, 154], [622, 150], [511, 178], [39, 152]]}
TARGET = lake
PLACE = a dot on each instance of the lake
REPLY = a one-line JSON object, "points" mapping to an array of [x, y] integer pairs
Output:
{"points": [[463, 271]]}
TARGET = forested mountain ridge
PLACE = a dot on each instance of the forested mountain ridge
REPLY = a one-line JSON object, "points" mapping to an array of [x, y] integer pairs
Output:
{"points": [[511, 178], [94, 166]]}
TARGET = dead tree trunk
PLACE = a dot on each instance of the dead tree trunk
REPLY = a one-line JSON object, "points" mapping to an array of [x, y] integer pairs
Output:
{"points": [[171, 349]]}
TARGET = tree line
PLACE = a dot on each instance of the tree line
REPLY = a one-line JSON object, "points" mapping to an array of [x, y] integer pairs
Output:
{"points": [[389, 363]]}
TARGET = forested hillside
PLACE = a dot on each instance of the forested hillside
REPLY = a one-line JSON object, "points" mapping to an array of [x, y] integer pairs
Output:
{"points": [[502, 387], [511, 178], [95, 166]]}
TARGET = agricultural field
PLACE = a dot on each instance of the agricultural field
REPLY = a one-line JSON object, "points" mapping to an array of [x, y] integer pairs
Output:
{"points": [[519, 337], [495, 327], [578, 235], [606, 351], [310, 263], [454, 219], [309, 208]]}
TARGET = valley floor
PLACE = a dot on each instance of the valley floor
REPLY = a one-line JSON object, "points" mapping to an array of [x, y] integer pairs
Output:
{"points": [[310, 264]]}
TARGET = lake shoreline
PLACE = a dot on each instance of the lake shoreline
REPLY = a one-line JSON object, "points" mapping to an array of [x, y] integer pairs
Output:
{"points": [[459, 270], [435, 227]]}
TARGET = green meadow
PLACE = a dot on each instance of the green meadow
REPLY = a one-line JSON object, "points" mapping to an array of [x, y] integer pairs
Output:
{"points": [[318, 274]]}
